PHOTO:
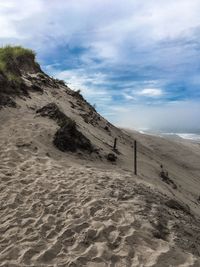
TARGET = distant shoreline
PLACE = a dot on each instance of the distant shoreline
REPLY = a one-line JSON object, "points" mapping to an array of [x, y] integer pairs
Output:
{"points": [[173, 135]]}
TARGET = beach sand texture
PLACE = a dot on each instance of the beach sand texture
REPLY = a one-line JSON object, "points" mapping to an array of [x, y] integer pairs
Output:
{"points": [[78, 209]]}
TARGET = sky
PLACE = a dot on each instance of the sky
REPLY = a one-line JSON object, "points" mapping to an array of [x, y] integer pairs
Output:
{"points": [[138, 61]]}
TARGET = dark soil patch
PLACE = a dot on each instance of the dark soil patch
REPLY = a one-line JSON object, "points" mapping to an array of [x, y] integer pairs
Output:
{"points": [[165, 178], [9, 89], [36, 88], [68, 138], [176, 205], [7, 101], [111, 157], [161, 230], [53, 112]]}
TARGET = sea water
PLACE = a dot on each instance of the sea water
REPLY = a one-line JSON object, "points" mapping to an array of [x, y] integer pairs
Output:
{"points": [[192, 136]]}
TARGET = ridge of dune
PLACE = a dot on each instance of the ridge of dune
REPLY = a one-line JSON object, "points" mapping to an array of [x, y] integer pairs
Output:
{"points": [[74, 207]]}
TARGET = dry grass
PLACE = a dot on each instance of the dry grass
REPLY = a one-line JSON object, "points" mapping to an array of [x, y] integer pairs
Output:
{"points": [[8, 56]]}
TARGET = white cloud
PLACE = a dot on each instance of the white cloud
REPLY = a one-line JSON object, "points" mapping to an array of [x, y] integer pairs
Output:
{"points": [[78, 79], [12, 13], [107, 24], [128, 96], [150, 92]]}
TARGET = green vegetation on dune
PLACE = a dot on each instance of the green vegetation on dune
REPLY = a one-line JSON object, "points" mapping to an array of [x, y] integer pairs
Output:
{"points": [[13, 52], [13, 59]]}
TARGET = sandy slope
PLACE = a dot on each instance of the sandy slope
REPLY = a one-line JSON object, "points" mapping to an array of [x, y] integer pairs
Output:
{"points": [[60, 209], [83, 216]]}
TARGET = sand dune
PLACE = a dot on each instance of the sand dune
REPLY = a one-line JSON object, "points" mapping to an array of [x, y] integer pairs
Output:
{"points": [[86, 216], [78, 209]]}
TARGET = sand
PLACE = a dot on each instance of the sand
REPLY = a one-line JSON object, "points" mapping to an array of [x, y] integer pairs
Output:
{"points": [[82, 216], [65, 209]]}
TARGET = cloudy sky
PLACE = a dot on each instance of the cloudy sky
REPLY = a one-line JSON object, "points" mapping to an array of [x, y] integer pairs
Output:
{"points": [[137, 60]]}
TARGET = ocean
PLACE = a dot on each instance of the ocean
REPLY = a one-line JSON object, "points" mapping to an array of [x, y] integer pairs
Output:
{"points": [[192, 136]]}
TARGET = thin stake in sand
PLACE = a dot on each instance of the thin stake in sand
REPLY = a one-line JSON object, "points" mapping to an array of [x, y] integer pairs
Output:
{"points": [[135, 157], [115, 144]]}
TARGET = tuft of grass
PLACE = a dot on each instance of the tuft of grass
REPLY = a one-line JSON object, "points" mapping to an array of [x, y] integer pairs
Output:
{"points": [[13, 52], [13, 78], [8, 58], [2, 66]]}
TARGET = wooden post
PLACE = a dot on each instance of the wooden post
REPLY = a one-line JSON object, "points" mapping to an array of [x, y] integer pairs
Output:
{"points": [[135, 157], [115, 144]]}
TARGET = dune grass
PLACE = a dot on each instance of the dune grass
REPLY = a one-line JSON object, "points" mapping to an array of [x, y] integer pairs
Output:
{"points": [[8, 53], [9, 56]]}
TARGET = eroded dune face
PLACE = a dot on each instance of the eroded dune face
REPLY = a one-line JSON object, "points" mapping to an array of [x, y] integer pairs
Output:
{"points": [[75, 208]]}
